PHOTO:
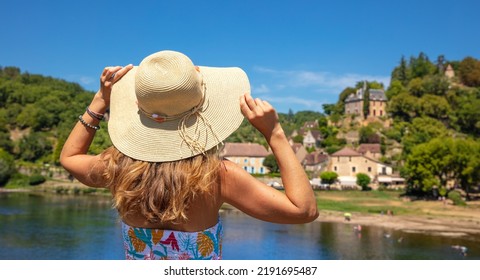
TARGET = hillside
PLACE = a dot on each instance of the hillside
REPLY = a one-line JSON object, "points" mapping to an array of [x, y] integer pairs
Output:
{"points": [[431, 106]]}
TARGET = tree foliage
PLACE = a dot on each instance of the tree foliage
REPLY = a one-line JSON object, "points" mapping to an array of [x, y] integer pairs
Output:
{"points": [[363, 180], [328, 177], [7, 166], [442, 160], [271, 163]]}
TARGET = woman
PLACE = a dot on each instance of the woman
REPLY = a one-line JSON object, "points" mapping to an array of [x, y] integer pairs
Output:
{"points": [[167, 120]]}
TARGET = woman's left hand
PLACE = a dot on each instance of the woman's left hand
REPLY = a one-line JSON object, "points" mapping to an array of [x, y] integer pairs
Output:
{"points": [[110, 76]]}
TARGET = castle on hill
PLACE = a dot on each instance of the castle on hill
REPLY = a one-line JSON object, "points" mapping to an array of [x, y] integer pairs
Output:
{"points": [[377, 99]]}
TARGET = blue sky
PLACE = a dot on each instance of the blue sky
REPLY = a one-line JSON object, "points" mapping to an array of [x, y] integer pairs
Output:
{"points": [[298, 54]]}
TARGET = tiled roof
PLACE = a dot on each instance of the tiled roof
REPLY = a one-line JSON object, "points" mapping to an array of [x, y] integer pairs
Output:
{"points": [[244, 150], [296, 147], [373, 148], [315, 158], [346, 152], [377, 94]]}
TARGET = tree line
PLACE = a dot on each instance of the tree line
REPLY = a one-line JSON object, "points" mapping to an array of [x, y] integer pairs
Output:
{"points": [[424, 104]]}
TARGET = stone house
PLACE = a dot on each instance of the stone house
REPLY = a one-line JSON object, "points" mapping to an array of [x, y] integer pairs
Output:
{"points": [[310, 133], [377, 103], [373, 151], [312, 138], [249, 156], [347, 163], [315, 161]]}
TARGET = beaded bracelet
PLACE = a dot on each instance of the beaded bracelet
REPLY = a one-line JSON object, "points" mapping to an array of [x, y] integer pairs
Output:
{"points": [[94, 115], [80, 118]]}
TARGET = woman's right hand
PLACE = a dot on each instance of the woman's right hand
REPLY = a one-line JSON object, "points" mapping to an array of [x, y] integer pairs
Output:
{"points": [[261, 115]]}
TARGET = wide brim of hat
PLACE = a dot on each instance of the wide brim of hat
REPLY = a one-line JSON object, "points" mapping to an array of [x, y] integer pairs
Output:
{"points": [[142, 138]]}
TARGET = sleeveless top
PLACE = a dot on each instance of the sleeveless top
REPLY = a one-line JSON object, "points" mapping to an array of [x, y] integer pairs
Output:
{"points": [[158, 244]]}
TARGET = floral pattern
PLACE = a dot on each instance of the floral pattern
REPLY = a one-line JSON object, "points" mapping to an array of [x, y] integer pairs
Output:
{"points": [[156, 244]]}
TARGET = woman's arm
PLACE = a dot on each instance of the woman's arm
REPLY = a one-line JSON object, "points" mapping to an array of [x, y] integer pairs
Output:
{"points": [[298, 203], [74, 156]]}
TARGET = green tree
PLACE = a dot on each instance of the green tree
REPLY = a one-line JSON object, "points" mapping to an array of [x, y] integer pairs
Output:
{"points": [[400, 73], [422, 130], [34, 146], [403, 107], [363, 180], [368, 135], [298, 139], [469, 71], [328, 177], [434, 106], [7, 167], [271, 163], [441, 160], [421, 66]]}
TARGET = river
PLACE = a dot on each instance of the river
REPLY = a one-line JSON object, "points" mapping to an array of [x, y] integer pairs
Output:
{"points": [[38, 226]]}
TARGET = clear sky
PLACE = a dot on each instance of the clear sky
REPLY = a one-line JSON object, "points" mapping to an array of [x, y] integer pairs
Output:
{"points": [[298, 54]]}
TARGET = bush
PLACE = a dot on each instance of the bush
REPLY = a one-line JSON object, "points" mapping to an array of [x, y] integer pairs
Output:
{"points": [[456, 197], [36, 179], [7, 167]]}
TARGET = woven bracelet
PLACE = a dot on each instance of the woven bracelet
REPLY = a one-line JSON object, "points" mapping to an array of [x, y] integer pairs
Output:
{"points": [[80, 118], [94, 114]]}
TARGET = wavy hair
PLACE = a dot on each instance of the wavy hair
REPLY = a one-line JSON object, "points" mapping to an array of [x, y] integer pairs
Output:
{"points": [[159, 191]]}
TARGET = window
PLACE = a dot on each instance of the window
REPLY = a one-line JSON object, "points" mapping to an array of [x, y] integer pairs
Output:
{"points": [[245, 168], [354, 169], [252, 161], [245, 161], [252, 170], [349, 158], [384, 170], [262, 171], [369, 169], [335, 168]]}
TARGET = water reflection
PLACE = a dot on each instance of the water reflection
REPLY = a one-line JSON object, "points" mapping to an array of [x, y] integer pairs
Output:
{"points": [[39, 226]]}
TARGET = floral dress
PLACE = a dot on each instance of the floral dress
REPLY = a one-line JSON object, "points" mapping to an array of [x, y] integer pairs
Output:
{"points": [[157, 244]]}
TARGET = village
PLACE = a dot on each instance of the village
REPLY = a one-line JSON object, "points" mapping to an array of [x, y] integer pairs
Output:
{"points": [[349, 161]]}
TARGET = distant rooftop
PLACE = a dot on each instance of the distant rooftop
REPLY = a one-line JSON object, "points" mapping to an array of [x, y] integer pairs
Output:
{"points": [[346, 152], [373, 148], [244, 150]]}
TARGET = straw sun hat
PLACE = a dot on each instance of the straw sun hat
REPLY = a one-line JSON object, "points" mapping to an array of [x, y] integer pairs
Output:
{"points": [[166, 109]]}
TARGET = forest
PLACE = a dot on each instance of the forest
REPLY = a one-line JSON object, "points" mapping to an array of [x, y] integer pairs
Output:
{"points": [[435, 121]]}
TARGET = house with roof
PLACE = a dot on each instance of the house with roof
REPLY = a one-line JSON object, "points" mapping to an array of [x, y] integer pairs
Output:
{"points": [[249, 156], [315, 161], [377, 102], [299, 150], [312, 138], [347, 163], [310, 133], [373, 151]]}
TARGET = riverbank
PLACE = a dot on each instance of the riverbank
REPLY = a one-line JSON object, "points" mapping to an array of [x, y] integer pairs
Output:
{"points": [[372, 208]]}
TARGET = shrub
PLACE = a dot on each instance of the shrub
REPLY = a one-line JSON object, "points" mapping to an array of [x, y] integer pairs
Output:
{"points": [[7, 167], [36, 179], [456, 197]]}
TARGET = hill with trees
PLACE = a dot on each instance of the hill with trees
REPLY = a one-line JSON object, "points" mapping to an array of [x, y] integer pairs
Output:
{"points": [[432, 137]]}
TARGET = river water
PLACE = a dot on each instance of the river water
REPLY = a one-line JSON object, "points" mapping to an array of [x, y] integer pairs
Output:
{"points": [[52, 227]]}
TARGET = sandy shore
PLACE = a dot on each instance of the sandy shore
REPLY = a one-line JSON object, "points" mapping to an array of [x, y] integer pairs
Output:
{"points": [[446, 226]]}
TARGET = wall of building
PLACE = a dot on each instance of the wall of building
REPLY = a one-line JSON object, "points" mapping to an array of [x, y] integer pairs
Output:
{"points": [[351, 166], [253, 165]]}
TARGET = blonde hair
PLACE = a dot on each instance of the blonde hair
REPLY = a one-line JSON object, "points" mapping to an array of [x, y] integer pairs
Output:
{"points": [[159, 191]]}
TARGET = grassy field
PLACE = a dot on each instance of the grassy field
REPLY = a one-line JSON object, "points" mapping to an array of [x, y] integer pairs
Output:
{"points": [[376, 202]]}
